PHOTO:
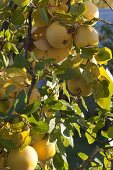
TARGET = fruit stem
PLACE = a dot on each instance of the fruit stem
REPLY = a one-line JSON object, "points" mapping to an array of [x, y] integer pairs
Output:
{"points": [[69, 4]]}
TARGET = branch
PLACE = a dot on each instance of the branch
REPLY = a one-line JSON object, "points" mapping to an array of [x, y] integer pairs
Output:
{"points": [[90, 158], [96, 139], [69, 4], [28, 44], [110, 140], [28, 38], [106, 22], [107, 148], [108, 4]]}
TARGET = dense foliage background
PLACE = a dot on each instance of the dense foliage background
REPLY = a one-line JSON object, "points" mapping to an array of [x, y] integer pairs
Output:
{"points": [[35, 99]]}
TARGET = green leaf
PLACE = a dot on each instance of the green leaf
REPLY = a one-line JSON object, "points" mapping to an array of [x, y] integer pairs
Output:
{"points": [[58, 161], [8, 34], [4, 61], [107, 162], [91, 72], [104, 103], [68, 74], [66, 64], [88, 76], [20, 61], [44, 15], [16, 127], [22, 101], [10, 89], [31, 119], [21, 3], [42, 127], [110, 132], [90, 135], [100, 124], [104, 55], [64, 131], [7, 143], [66, 142], [59, 105], [31, 108], [52, 125], [83, 103], [77, 108], [13, 47], [40, 65], [104, 134], [71, 141], [100, 89], [43, 90], [83, 156], [18, 17], [12, 108], [65, 91], [77, 9], [106, 73], [77, 127], [88, 53], [7, 46], [66, 165], [61, 147]]}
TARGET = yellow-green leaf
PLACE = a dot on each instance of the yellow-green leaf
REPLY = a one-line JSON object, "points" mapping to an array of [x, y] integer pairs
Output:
{"points": [[83, 156], [104, 55]]}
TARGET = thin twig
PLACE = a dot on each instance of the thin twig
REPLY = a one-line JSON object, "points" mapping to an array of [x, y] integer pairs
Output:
{"points": [[69, 4], [90, 158], [110, 140], [106, 22], [107, 148], [96, 139], [108, 4]]}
